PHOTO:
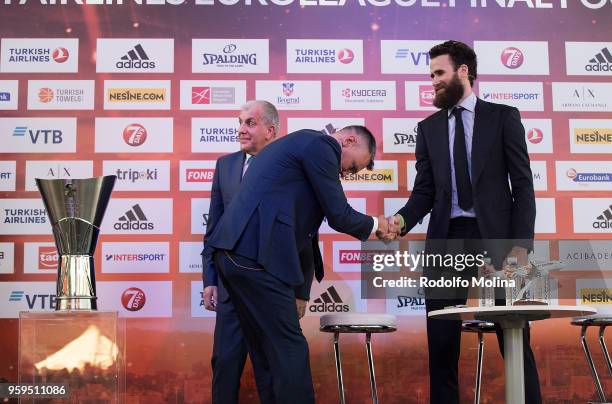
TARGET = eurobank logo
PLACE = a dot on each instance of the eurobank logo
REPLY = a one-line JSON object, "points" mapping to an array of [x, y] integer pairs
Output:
{"points": [[584, 175], [382, 178], [39, 55], [134, 55], [324, 56], [590, 135], [137, 94]]}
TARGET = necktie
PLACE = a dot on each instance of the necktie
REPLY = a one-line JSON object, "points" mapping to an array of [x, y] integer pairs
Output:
{"points": [[462, 174], [247, 162]]}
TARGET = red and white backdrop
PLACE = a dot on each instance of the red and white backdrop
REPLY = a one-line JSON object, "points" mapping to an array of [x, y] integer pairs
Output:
{"points": [[150, 91]]}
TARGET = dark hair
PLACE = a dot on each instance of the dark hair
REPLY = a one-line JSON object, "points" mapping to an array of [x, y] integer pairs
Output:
{"points": [[365, 134], [460, 54]]}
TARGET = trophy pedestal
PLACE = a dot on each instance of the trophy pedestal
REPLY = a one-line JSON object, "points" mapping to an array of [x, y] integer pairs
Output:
{"points": [[82, 349]]}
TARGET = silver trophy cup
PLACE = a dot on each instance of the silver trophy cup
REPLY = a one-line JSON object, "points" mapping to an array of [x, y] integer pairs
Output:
{"points": [[76, 208]]}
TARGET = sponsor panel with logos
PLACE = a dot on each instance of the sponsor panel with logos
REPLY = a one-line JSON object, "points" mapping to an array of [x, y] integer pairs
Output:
{"points": [[139, 175], [8, 173], [590, 135], [327, 125], [539, 173], [399, 134], [190, 260], [197, 301], [137, 94], [512, 57], [331, 297], [526, 96], [290, 95], [592, 215], [359, 204], [135, 55], [546, 218], [582, 97], [349, 256], [362, 95], [410, 303], [229, 55], [596, 293], [56, 169], [382, 178], [405, 57], [39, 55], [40, 258], [135, 257], [61, 94], [9, 94], [324, 56], [392, 205], [197, 175], [214, 135], [26, 296], [23, 216], [584, 175], [588, 58], [213, 94], [136, 298], [133, 135], [586, 255], [38, 135], [7, 258], [419, 96], [538, 135], [138, 216], [199, 215]]}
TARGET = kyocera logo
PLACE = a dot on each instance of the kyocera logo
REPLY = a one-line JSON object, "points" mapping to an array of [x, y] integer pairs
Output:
{"points": [[47, 258], [512, 58], [134, 134], [199, 174], [133, 299]]}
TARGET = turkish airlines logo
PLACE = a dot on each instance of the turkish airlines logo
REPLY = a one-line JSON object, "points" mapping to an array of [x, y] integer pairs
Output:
{"points": [[133, 299], [45, 95], [199, 174], [426, 95], [512, 58], [60, 55], [535, 136], [48, 258], [134, 134], [345, 56]]}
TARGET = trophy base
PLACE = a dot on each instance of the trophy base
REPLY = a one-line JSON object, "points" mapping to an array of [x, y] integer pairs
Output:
{"points": [[76, 303]]}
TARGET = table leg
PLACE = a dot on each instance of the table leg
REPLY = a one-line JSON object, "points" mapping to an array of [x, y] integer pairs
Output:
{"points": [[514, 361]]}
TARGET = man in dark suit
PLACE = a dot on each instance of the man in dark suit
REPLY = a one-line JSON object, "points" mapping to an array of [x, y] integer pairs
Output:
{"points": [[259, 126], [465, 154], [291, 185]]}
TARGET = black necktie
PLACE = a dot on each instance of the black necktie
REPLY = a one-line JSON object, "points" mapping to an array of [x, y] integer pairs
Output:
{"points": [[462, 173]]}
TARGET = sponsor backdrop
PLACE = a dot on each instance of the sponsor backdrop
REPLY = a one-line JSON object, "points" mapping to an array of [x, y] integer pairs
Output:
{"points": [[151, 92]]}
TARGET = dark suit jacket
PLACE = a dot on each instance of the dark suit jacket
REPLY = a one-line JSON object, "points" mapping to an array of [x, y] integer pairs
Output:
{"points": [[226, 183], [499, 152], [288, 188]]}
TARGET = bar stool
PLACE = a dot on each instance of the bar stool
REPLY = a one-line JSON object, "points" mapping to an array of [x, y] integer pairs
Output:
{"points": [[367, 323], [601, 321], [480, 328]]}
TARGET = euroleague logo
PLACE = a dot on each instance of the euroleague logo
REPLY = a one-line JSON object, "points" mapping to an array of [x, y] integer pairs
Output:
{"points": [[60, 55], [512, 58], [133, 299], [134, 134], [45, 95], [345, 56], [535, 136]]}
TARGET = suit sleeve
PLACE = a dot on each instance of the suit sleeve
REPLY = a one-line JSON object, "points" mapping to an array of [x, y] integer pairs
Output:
{"points": [[214, 213], [321, 165], [521, 180], [307, 263], [422, 196]]}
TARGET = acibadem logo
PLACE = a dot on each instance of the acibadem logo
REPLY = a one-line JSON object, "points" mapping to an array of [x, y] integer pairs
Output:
{"points": [[329, 302]]}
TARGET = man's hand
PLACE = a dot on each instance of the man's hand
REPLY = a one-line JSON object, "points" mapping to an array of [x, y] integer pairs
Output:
{"points": [[521, 255], [210, 298], [388, 228], [301, 307]]}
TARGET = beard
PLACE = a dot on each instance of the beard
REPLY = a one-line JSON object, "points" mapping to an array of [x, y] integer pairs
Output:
{"points": [[449, 94]]}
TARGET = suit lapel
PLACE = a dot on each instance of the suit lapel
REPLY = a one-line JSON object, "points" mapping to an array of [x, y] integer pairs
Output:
{"points": [[482, 138], [439, 147], [235, 175]]}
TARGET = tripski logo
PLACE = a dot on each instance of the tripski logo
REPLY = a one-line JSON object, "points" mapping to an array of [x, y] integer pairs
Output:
{"points": [[134, 219], [329, 302], [135, 58]]}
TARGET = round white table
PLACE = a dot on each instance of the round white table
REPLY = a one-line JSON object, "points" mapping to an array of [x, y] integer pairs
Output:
{"points": [[512, 319]]}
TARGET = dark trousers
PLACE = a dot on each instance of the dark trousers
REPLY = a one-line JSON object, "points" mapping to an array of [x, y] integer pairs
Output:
{"points": [[229, 356], [268, 317], [444, 336]]}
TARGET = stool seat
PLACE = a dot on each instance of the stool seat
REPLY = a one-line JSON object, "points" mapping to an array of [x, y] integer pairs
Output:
{"points": [[477, 326], [594, 320], [358, 323]]}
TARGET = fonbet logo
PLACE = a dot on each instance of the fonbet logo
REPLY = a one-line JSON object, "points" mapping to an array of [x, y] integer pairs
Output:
{"points": [[592, 136], [359, 256], [38, 301], [329, 302], [199, 174], [426, 95], [46, 136], [48, 257], [60, 55], [134, 134], [535, 136], [229, 57], [133, 299], [45, 95], [601, 62], [604, 221], [134, 219], [512, 58], [596, 296], [135, 58]]}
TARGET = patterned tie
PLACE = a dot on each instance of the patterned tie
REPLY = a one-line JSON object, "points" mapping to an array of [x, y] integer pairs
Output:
{"points": [[462, 173]]}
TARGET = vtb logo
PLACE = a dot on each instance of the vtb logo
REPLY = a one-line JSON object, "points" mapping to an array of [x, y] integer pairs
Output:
{"points": [[45, 136], [39, 301]]}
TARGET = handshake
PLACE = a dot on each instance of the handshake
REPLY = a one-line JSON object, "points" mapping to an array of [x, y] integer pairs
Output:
{"points": [[389, 228]]}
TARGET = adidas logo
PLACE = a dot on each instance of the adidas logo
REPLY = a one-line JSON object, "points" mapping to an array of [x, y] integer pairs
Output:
{"points": [[134, 219], [329, 302], [604, 221], [137, 58], [602, 62]]}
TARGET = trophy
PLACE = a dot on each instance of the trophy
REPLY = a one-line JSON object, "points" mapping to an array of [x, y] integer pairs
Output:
{"points": [[75, 208]]}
